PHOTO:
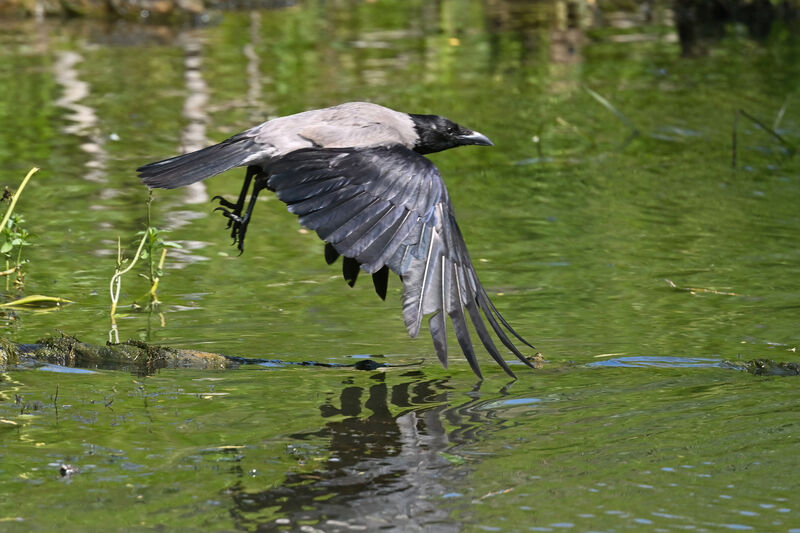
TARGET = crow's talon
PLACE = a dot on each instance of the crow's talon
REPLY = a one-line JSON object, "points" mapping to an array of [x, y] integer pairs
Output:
{"points": [[230, 214], [225, 203], [237, 221]]}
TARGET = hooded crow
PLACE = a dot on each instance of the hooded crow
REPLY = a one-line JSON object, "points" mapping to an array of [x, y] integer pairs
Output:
{"points": [[355, 173]]}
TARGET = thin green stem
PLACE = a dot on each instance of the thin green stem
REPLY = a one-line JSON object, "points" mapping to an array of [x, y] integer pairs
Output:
{"points": [[16, 196], [117, 277]]}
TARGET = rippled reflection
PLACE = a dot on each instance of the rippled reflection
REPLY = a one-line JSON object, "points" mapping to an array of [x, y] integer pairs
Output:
{"points": [[82, 117], [386, 461]]}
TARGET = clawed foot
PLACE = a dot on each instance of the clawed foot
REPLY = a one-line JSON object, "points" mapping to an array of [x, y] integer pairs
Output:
{"points": [[225, 203], [236, 222], [235, 209]]}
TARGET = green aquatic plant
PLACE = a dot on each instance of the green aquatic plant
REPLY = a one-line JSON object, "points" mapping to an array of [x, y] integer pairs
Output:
{"points": [[35, 301], [13, 235], [119, 271], [155, 251], [152, 247]]}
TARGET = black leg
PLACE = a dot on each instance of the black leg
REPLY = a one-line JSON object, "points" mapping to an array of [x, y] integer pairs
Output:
{"points": [[239, 221], [233, 212], [236, 209]]}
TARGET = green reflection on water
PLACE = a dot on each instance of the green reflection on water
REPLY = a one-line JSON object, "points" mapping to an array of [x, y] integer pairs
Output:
{"points": [[573, 235]]}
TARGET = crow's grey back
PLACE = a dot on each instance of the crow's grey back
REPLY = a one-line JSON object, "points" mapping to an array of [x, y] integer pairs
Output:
{"points": [[350, 125]]}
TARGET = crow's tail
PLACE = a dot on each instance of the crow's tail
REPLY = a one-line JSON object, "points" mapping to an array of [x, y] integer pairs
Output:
{"points": [[195, 166]]}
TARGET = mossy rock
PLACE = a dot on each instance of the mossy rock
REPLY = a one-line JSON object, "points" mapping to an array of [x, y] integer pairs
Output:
{"points": [[767, 367], [146, 358], [9, 353]]}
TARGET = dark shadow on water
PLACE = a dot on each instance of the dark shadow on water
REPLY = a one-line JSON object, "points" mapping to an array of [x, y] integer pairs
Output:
{"points": [[391, 459]]}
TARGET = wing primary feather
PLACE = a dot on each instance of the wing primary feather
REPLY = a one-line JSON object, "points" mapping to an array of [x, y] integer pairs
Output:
{"points": [[486, 339], [350, 268], [413, 286], [425, 277], [507, 325], [476, 284], [400, 261], [380, 280], [331, 255], [437, 324], [482, 300], [437, 327], [460, 328]]}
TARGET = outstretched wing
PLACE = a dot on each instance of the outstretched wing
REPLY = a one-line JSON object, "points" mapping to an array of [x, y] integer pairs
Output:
{"points": [[388, 207]]}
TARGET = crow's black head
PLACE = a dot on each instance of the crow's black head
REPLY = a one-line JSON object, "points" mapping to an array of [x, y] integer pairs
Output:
{"points": [[437, 133]]}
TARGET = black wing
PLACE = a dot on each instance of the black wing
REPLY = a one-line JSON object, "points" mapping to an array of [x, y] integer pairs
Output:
{"points": [[388, 206]]}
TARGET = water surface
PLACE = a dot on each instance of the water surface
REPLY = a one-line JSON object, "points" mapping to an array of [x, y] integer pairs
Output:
{"points": [[636, 263]]}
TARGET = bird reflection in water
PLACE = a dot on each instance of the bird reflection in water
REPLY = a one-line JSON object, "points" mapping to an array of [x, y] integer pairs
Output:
{"points": [[385, 469]]}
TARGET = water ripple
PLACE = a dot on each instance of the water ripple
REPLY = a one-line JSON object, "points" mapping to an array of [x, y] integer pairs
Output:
{"points": [[658, 361]]}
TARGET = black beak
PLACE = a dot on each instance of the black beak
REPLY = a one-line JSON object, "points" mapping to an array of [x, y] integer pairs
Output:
{"points": [[475, 138]]}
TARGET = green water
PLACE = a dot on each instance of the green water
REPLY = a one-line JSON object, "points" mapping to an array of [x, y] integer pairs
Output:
{"points": [[632, 424]]}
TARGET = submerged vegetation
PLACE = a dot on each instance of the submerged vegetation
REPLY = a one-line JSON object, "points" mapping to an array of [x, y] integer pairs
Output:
{"points": [[789, 149]]}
